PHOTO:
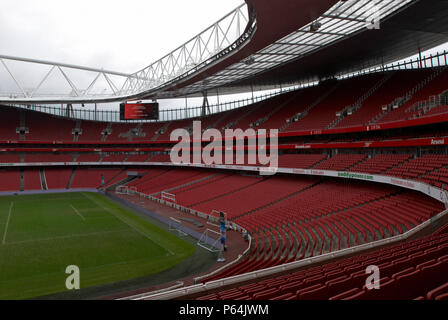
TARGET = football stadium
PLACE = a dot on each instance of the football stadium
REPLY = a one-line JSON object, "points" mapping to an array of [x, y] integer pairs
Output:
{"points": [[313, 166]]}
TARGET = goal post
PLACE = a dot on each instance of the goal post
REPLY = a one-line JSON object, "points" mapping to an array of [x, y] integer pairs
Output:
{"points": [[122, 190], [168, 197], [215, 236], [126, 190], [211, 241]]}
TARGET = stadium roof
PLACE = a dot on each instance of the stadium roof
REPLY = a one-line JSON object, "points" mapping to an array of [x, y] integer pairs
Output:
{"points": [[277, 42]]}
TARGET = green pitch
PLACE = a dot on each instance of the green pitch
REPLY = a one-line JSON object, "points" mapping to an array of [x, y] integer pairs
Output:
{"points": [[40, 235]]}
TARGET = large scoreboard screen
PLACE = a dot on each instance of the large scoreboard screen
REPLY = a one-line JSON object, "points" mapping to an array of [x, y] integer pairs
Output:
{"points": [[139, 111]]}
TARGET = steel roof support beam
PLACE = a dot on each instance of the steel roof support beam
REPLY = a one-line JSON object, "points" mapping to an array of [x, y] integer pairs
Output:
{"points": [[72, 85], [14, 78], [42, 82]]}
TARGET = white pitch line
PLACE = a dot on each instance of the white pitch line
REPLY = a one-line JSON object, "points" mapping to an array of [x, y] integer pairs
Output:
{"points": [[7, 223], [121, 219], [67, 237], [78, 213]]}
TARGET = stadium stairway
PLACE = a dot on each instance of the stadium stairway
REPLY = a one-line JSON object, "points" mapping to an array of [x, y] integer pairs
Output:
{"points": [[160, 131], [357, 109], [395, 107], [258, 123], [57, 178], [72, 177], [431, 85], [324, 114], [119, 181], [148, 176], [43, 180]]}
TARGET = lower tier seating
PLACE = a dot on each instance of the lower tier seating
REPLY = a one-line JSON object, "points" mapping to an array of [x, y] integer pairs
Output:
{"points": [[410, 270], [32, 180], [9, 180], [293, 218], [91, 178], [57, 178]]}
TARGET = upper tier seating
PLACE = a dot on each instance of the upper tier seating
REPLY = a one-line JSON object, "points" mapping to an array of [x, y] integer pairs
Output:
{"points": [[435, 111], [396, 86], [348, 92], [180, 124], [92, 131], [300, 101], [316, 108], [261, 110], [148, 131], [43, 127], [432, 88], [9, 122]]}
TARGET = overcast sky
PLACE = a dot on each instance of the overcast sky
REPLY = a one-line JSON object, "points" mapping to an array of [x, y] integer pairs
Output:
{"points": [[122, 35]]}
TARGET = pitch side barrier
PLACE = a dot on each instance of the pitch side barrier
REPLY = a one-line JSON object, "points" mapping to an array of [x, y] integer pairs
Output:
{"points": [[434, 192]]}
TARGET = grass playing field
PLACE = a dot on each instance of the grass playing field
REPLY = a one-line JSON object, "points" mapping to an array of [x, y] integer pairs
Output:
{"points": [[40, 235]]}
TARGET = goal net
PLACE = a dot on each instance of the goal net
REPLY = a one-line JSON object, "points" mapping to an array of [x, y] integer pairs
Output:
{"points": [[211, 241], [175, 225]]}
